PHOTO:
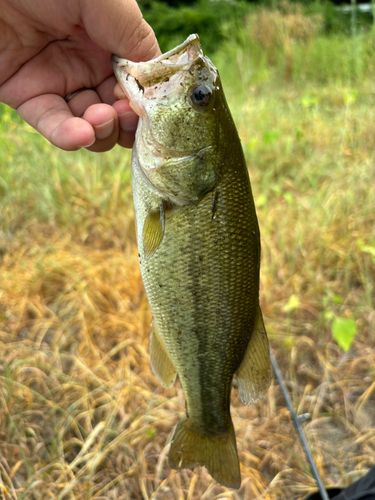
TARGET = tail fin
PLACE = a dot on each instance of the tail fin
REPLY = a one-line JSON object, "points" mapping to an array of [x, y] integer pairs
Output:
{"points": [[189, 448]]}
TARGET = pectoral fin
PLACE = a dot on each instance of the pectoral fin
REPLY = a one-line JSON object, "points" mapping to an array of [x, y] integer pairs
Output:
{"points": [[161, 363], [255, 373], [153, 231]]}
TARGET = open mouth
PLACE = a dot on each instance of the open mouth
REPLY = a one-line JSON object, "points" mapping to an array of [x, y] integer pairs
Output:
{"points": [[161, 69], [162, 80]]}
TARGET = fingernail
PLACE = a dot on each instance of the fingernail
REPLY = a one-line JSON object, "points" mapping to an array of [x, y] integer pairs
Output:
{"points": [[85, 145], [128, 121], [105, 129]]}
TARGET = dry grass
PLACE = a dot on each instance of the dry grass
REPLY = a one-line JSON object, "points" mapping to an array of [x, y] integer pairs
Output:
{"points": [[81, 415]]}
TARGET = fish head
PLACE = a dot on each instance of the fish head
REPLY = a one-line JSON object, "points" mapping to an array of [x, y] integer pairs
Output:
{"points": [[178, 98]]}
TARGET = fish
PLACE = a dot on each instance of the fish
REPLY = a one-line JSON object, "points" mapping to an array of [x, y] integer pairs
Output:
{"points": [[199, 250]]}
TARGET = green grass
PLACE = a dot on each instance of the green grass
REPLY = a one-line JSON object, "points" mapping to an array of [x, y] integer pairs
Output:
{"points": [[41, 183], [81, 415]]}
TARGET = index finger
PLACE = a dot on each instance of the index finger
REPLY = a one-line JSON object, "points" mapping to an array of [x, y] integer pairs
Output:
{"points": [[51, 116]]}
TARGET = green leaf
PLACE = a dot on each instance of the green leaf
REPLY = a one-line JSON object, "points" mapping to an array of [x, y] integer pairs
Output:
{"points": [[344, 331], [337, 299], [367, 249], [309, 101], [261, 200], [271, 136], [293, 303], [150, 433], [252, 144], [289, 198], [370, 250]]}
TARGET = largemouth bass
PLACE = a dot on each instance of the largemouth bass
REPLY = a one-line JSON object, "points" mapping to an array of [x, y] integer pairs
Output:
{"points": [[199, 250]]}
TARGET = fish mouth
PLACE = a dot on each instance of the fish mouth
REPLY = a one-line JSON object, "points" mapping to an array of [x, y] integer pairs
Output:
{"points": [[161, 69], [159, 79], [163, 81]]}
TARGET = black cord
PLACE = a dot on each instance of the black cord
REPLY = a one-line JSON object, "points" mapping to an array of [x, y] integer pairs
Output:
{"points": [[305, 445]]}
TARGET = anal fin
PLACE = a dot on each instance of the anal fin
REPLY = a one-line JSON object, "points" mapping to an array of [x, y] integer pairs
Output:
{"points": [[254, 374], [161, 363]]}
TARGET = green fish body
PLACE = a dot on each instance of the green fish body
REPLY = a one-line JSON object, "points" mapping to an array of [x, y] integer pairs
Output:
{"points": [[199, 250]]}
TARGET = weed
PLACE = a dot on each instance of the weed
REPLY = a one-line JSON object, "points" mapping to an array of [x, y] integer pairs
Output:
{"points": [[81, 415]]}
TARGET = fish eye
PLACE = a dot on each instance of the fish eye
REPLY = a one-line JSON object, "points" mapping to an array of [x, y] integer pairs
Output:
{"points": [[200, 95]]}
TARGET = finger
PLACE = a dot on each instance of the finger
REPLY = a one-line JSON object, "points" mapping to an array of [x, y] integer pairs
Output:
{"points": [[104, 121], [126, 139], [50, 115], [83, 100], [87, 97], [64, 66], [118, 92], [120, 29], [128, 122], [106, 90], [101, 117]]}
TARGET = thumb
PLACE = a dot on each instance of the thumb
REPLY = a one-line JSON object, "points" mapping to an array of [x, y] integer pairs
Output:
{"points": [[118, 27]]}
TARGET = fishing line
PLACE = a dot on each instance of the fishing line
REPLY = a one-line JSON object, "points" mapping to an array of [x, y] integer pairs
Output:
{"points": [[305, 445]]}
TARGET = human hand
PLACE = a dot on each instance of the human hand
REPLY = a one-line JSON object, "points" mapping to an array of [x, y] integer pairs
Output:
{"points": [[52, 48]]}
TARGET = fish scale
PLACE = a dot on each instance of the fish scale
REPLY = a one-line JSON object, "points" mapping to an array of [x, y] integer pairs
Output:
{"points": [[209, 296], [199, 248]]}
